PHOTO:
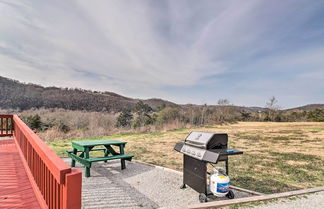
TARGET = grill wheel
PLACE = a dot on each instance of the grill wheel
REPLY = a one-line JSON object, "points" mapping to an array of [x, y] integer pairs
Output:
{"points": [[202, 198], [230, 194]]}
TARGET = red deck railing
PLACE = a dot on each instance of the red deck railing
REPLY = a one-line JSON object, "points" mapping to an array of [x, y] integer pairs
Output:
{"points": [[6, 125], [56, 185]]}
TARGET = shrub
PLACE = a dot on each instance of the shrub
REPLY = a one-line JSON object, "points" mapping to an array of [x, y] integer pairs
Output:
{"points": [[34, 122], [125, 118], [142, 109], [63, 128], [167, 114], [136, 123], [316, 115], [245, 116]]}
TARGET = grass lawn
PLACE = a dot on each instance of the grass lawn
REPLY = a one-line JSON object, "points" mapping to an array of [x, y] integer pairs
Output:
{"points": [[277, 157]]}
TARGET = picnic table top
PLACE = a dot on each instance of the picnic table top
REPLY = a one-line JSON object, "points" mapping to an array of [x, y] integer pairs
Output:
{"points": [[90, 143]]}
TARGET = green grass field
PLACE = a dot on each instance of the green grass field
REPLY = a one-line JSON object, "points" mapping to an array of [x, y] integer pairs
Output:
{"points": [[277, 156]]}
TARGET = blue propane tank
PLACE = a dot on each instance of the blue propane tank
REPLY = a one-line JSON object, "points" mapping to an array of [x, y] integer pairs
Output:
{"points": [[219, 182]]}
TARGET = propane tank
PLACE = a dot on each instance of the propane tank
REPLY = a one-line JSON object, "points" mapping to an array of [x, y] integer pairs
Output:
{"points": [[219, 182]]}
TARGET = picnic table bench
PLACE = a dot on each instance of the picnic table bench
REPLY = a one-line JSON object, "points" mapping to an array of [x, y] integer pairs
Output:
{"points": [[106, 145]]}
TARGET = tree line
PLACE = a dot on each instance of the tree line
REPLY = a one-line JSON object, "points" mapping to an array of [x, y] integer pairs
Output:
{"points": [[143, 118], [224, 112]]}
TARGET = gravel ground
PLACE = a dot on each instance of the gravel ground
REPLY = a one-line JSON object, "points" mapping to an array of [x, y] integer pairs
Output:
{"points": [[138, 186], [309, 201]]}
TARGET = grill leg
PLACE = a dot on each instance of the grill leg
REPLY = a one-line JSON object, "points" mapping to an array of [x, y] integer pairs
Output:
{"points": [[183, 186], [226, 165]]}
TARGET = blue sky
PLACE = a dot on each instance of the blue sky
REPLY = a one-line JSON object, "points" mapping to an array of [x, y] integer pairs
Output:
{"points": [[182, 51]]}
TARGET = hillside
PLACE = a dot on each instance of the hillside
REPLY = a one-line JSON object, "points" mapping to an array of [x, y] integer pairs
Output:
{"points": [[17, 95], [308, 107]]}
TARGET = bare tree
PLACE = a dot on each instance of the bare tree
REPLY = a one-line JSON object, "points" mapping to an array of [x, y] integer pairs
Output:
{"points": [[203, 114], [272, 104], [272, 108], [223, 111], [223, 102]]}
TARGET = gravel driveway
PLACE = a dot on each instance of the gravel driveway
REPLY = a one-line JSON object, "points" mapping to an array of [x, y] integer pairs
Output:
{"points": [[138, 186]]}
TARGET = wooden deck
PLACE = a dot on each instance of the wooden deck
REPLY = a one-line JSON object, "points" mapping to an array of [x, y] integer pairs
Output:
{"points": [[15, 188], [31, 174]]}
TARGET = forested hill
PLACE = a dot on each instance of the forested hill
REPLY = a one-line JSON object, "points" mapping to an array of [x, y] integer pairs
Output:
{"points": [[308, 107], [21, 96], [17, 95]]}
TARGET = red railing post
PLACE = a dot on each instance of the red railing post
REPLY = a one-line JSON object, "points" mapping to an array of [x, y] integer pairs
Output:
{"points": [[72, 190]]}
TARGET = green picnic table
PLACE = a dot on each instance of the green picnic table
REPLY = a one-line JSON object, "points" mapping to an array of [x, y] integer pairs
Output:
{"points": [[106, 145]]}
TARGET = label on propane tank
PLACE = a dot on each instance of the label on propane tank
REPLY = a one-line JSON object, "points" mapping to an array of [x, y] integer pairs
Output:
{"points": [[222, 187]]}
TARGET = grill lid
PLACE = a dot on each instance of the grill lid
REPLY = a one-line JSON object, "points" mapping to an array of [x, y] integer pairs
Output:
{"points": [[200, 139], [206, 146]]}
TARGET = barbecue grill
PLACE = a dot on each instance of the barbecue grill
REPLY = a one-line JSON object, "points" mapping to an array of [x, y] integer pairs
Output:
{"points": [[199, 149]]}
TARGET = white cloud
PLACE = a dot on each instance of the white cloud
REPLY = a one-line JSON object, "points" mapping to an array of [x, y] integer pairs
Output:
{"points": [[138, 47]]}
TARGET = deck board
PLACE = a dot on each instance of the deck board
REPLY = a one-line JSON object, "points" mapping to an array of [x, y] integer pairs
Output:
{"points": [[15, 188]]}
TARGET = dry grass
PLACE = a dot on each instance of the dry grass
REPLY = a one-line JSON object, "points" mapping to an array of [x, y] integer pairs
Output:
{"points": [[277, 156]]}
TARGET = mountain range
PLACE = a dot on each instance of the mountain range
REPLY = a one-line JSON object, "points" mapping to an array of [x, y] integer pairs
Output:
{"points": [[22, 96]]}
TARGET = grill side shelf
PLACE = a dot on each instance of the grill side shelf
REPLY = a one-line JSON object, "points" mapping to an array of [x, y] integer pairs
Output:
{"points": [[211, 157], [223, 152], [215, 155], [178, 146]]}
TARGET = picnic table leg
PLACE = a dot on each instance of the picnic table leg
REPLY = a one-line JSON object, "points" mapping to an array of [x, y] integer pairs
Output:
{"points": [[82, 155], [106, 153], [75, 151], [110, 150], [122, 161], [87, 155]]}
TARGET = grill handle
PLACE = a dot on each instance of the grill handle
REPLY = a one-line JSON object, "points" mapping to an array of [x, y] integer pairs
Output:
{"points": [[195, 144]]}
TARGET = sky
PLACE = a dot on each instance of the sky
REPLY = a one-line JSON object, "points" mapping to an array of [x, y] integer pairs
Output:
{"points": [[182, 51]]}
